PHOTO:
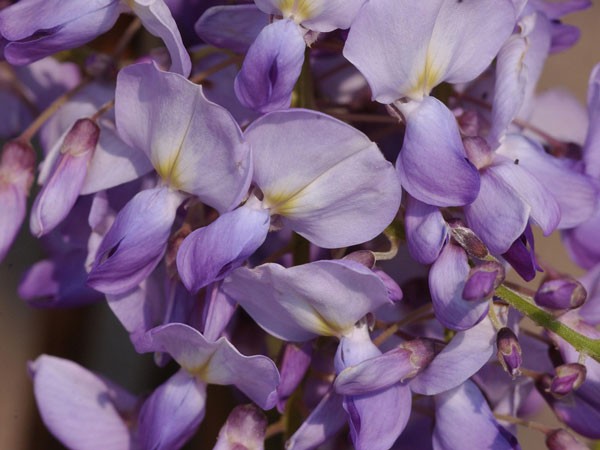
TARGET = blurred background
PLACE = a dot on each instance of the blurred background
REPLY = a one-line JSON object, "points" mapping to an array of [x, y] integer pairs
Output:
{"points": [[92, 337]]}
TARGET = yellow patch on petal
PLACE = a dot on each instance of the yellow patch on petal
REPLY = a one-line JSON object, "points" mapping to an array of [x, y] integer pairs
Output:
{"points": [[297, 10], [428, 78], [168, 170], [281, 203]]}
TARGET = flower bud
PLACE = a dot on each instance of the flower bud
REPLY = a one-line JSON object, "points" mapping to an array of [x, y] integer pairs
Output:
{"points": [[244, 429], [467, 239], [562, 293], [16, 176], [66, 178], [568, 377], [509, 351], [561, 439], [483, 280]]}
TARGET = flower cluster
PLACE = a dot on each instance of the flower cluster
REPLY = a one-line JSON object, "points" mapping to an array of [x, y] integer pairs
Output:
{"points": [[222, 183]]}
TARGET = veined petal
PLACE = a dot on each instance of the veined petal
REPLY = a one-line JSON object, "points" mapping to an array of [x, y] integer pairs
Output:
{"points": [[157, 19], [464, 420], [171, 415], [446, 282], [219, 362], [81, 409], [407, 48], [136, 242], [271, 68], [195, 145], [432, 164], [324, 298], [330, 183], [209, 253]]}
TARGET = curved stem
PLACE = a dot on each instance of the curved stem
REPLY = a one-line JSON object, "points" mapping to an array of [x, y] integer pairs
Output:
{"points": [[581, 343]]}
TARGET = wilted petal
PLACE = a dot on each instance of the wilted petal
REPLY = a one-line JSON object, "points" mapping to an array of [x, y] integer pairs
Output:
{"points": [[324, 298], [234, 27], [426, 230], [194, 145], [464, 355], [136, 242], [407, 48], [271, 68], [432, 164], [209, 253], [245, 429], [171, 415], [446, 282], [157, 19], [219, 362], [81, 409], [327, 180], [464, 420]]}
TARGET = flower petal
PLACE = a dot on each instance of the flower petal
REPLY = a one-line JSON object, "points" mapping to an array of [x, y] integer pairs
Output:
{"points": [[426, 230]]}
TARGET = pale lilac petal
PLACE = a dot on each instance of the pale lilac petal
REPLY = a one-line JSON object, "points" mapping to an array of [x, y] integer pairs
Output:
{"points": [[219, 362], [171, 415], [234, 27], [575, 193], [136, 242], [446, 283], [555, 10], [406, 49], [157, 19], [426, 230], [330, 183], [464, 420], [322, 423], [271, 68], [591, 152], [432, 164], [194, 145], [297, 304], [294, 364], [583, 242], [245, 429], [462, 358], [209, 253], [81, 409], [218, 310]]}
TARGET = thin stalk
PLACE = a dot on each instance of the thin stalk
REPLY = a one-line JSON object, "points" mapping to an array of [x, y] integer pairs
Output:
{"points": [[201, 76], [392, 329], [526, 423]]}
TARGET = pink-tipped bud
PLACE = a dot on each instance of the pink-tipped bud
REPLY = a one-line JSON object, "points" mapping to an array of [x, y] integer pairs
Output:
{"points": [[62, 187], [483, 281], [567, 378], [468, 240], [562, 293], [561, 439], [16, 175], [509, 351], [245, 428]]}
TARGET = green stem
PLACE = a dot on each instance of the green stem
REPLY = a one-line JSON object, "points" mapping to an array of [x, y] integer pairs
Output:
{"points": [[581, 343]]}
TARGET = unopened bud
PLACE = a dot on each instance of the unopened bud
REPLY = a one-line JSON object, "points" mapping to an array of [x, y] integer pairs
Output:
{"points": [[568, 377], [483, 281], [562, 293], [561, 439], [245, 428], [509, 351], [65, 180], [468, 240]]}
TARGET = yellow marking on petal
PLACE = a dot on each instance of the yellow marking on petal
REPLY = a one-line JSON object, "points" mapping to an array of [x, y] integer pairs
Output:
{"points": [[297, 10], [427, 79], [281, 203], [168, 169]]}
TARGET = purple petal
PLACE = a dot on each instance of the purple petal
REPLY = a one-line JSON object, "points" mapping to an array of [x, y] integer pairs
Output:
{"points": [[156, 109], [591, 155], [446, 282], [583, 242], [219, 362], [234, 27], [218, 310], [297, 304], [295, 362], [464, 355], [426, 230], [81, 409], [171, 415], [157, 19], [464, 420], [330, 183], [136, 242], [432, 165], [271, 68], [209, 253]]}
